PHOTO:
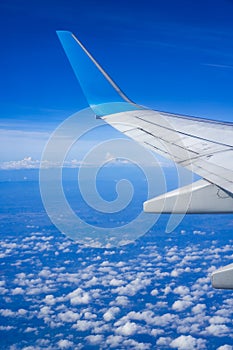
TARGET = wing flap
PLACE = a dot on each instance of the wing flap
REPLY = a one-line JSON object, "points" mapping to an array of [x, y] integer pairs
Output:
{"points": [[196, 150], [197, 198]]}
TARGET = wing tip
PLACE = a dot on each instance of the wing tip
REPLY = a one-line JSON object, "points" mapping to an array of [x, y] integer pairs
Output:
{"points": [[98, 87]]}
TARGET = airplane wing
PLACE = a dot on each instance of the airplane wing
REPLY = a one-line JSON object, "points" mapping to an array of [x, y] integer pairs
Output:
{"points": [[202, 146]]}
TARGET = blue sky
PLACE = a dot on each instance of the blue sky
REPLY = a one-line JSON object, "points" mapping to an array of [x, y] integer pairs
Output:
{"points": [[155, 293], [172, 56]]}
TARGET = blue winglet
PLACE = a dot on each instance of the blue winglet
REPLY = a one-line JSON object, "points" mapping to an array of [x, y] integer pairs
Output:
{"points": [[102, 94]]}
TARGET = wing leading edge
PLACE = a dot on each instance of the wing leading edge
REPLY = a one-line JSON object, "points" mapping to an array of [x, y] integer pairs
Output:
{"points": [[203, 146]]}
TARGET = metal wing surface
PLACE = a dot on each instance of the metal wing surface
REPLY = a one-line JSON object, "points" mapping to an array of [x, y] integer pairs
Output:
{"points": [[202, 146]]}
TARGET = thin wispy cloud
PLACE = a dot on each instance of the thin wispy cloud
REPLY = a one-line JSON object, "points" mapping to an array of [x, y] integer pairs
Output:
{"points": [[218, 65]]}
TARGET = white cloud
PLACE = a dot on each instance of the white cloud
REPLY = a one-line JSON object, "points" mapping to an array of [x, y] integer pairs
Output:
{"points": [[129, 328], [154, 292], [78, 296], [187, 342], [25, 163], [146, 316], [89, 316], [94, 339], [161, 304], [116, 282], [225, 347], [173, 258], [21, 312], [218, 320], [133, 287], [133, 344], [175, 272], [92, 282], [29, 163], [180, 305], [164, 320], [167, 290], [30, 329], [182, 290], [65, 344], [6, 313], [198, 232], [111, 313], [6, 328], [198, 308], [45, 311], [163, 341], [156, 331], [83, 325], [17, 291], [218, 330], [114, 341], [121, 301], [49, 299], [69, 316]]}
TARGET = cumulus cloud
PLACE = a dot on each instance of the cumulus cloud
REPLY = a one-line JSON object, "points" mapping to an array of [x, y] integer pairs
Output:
{"points": [[30, 329], [68, 316], [111, 313], [6, 313], [17, 291], [121, 301], [65, 344], [156, 331], [180, 305], [25, 163], [219, 330], [182, 290], [147, 316], [114, 341], [7, 328], [198, 308], [218, 320], [187, 342], [78, 296], [133, 287], [94, 339], [29, 163], [163, 341], [133, 344], [116, 282], [129, 328], [83, 325], [154, 292], [50, 300]]}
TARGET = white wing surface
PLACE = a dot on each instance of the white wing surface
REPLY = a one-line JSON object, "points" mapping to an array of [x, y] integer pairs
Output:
{"points": [[202, 146]]}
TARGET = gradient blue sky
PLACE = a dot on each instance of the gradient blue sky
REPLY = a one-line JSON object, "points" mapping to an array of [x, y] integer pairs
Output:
{"points": [[175, 56]]}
